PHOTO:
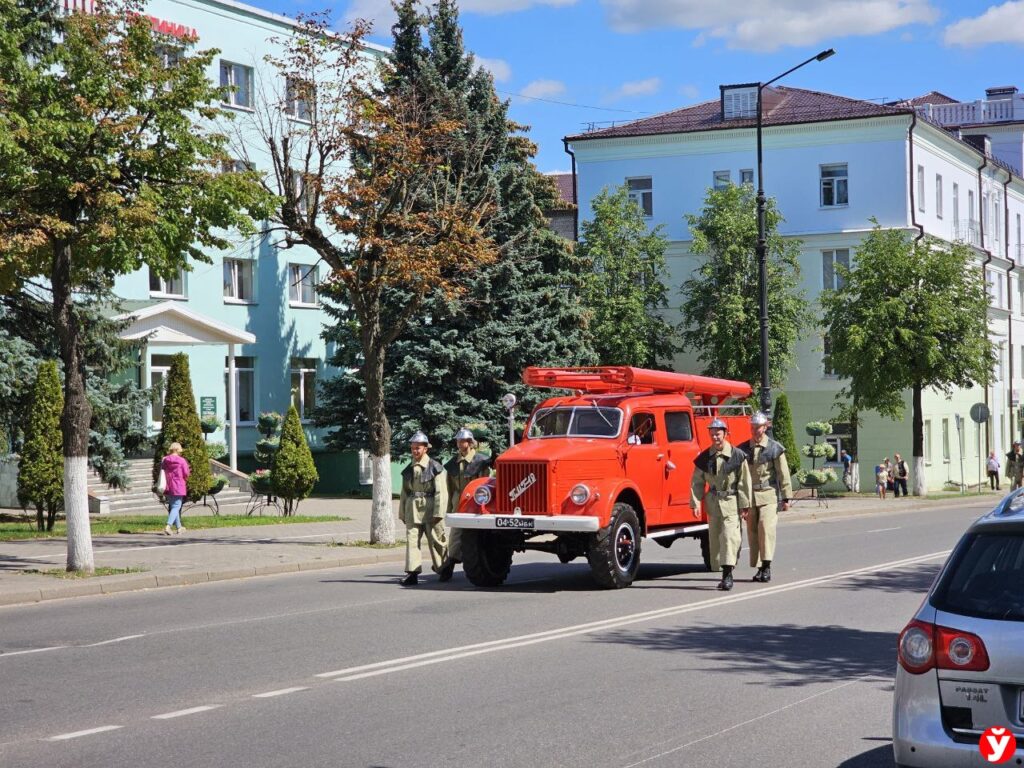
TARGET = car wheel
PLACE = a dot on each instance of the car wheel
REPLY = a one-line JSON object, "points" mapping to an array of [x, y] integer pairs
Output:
{"points": [[614, 552], [486, 559]]}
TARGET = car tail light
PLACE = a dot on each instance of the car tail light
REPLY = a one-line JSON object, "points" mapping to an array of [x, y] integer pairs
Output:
{"points": [[925, 646]]}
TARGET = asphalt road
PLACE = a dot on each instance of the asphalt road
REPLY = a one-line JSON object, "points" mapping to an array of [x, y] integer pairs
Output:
{"points": [[345, 668]]}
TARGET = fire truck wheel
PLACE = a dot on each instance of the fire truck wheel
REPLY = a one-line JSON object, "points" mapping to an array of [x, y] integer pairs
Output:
{"points": [[705, 549], [485, 560], [614, 552]]}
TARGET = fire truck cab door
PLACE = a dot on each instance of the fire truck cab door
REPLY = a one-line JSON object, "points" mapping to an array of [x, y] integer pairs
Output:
{"points": [[680, 450], [645, 462]]}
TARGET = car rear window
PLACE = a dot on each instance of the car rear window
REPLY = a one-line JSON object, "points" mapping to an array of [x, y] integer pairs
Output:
{"points": [[985, 578]]}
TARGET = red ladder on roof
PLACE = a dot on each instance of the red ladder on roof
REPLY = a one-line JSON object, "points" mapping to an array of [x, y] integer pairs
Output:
{"points": [[626, 379]]}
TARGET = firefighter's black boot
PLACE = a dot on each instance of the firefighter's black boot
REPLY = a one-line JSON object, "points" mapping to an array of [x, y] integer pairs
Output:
{"points": [[726, 583]]}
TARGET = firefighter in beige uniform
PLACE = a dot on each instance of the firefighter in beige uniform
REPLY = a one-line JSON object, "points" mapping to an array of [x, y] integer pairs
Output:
{"points": [[422, 507], [723, 469], [769, 473], [464, 466]]}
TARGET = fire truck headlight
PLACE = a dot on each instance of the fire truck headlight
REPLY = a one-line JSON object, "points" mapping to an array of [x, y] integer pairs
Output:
{"points": [[482, 495], [580, 494]]}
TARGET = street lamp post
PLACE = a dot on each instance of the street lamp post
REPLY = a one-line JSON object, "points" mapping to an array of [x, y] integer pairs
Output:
{"points": [[762, 247]]}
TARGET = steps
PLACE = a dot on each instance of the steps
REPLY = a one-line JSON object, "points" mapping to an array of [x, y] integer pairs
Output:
{"points": [[139, 499]]}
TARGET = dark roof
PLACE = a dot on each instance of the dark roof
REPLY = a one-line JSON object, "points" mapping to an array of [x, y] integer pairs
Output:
{"points": [[795, 105], [934, 97], [563, 181]]}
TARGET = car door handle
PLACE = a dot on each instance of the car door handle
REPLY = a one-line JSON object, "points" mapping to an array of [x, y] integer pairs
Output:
{"points": [[669, 466], [660, 456]]}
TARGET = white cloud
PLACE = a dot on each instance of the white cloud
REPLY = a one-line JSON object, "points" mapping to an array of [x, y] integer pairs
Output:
{"points": [[499, 68], [636, 88], [999, 24], [770, 24], [382, 14], [543, 89], [689, 91]]}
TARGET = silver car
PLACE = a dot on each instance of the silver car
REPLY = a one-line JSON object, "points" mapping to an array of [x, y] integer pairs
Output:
{"points": [[961, 658]]}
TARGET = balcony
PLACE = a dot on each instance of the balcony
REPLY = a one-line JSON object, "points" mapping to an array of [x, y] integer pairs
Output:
{"points": [[974, 112], [968, 232]]}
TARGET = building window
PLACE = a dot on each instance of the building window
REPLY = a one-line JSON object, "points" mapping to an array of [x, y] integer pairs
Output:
{"points": [[303, 380], [238, 280], [169, 55], [1020, 251], [303, 192], [928, 442], [297, 98], [1001, 366], [972, 221], [997, 219], [984, 215], [302, 280], [831, 279], [232, 165], [167, 287], [834, 185], [159, 367], [739, 102], [747, 176], [956, 205], [722, 179], [826, 357], [945, 440], [641, 192], [920, 187], [245, 380], [938, 196], [236, 80]]}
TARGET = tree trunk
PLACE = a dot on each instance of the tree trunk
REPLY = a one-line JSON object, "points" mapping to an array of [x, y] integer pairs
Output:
{"points": [[917, 447], [51, 517], [39, 517], [74, 420], [382, 515]]}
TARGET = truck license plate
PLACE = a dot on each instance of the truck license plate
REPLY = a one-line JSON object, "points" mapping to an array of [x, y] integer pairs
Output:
{"points": [[518, 523]]}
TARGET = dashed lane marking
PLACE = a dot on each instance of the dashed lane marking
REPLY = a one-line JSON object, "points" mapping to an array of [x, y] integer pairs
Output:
{"points": [[89, 732], [281, 692], [185, 712]]}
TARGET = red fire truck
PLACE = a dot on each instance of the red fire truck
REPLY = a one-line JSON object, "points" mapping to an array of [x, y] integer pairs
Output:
{"points": [[597, 470]]}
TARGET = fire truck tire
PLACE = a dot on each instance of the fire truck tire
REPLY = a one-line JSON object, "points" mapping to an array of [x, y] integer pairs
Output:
{"points": [[485, 560], [614, 552], [705, 549]]}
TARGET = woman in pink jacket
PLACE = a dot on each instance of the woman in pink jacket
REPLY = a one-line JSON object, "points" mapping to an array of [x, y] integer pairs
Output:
{"points": [[176, 470]]}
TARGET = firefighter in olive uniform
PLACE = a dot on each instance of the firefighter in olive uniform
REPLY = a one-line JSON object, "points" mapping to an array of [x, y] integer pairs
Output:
{"points": [[769, 473], [422, 507], [723, 469], [466, 465]]}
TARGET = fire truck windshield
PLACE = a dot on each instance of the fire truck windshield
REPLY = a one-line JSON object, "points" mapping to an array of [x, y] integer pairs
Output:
{"points": [[576, 422]]}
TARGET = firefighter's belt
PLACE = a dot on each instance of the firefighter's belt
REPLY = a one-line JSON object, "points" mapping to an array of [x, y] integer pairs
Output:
{"points": [[422, 494], [764, 487], [721, 494]]}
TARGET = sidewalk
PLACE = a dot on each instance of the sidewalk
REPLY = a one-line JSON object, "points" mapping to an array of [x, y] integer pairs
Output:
{"points": [[241, 552]]}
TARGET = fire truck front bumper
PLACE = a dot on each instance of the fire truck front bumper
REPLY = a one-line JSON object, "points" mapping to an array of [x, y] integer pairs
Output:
{"points": [[541, 523]]}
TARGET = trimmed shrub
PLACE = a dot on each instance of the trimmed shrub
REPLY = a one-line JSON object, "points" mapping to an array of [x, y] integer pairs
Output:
{"points": [[41, 471], [782, 427], [181, 425], [294, 472]]}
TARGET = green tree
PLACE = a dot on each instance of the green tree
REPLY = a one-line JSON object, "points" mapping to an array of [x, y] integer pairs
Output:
{"points": [[911, 314], [181, 425], [294, 473], [625, 261], [782, 429], [721, 315], [41, 470], [524, 308], [103, 170]]}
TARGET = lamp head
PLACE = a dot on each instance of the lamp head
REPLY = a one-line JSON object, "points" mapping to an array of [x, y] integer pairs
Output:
{"points": [[508, 401], [825, 54]]}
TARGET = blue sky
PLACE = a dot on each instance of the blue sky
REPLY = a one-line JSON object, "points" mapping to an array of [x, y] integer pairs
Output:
{"points": [[608, 60]]}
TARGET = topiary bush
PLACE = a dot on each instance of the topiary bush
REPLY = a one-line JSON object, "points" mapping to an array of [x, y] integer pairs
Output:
{"points": [[181, 425], [41, 470], [294, 472]]}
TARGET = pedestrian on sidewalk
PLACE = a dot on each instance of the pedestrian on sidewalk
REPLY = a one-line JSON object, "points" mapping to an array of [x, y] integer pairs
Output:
{"points": [[176, 470], [422, 507], [993, 470], [881, 478], [847, 461], [900, 473], [1015, 465]]}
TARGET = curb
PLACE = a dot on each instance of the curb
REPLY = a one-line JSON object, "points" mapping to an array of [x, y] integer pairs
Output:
{"points": [[108, 585]]}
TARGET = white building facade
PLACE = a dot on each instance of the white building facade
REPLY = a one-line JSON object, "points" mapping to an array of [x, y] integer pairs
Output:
{"points": [[832, 164]]}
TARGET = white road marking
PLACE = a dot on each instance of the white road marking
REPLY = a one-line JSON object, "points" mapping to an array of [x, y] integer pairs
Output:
{"points": [[460, 652], [281, 692], [32, 650], [883, 530], [184, 712], [114, 640], [90, 732], [804, 700]]}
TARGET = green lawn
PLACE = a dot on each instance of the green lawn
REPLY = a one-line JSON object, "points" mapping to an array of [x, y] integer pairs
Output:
{"points": [[61, 573], [17, 527]]}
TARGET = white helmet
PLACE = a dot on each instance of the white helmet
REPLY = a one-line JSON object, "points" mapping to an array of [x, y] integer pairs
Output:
{"points": [[464, 434], [419, 437], [758, 418]]}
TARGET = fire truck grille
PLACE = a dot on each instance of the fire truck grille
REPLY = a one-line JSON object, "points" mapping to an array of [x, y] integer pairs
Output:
{"points": [[523, 484]]}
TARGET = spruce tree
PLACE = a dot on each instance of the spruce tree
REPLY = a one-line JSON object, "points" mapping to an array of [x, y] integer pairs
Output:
{"points": [[41, 470], [523, 309], [181, 425], [294, 472], [782, 429]]}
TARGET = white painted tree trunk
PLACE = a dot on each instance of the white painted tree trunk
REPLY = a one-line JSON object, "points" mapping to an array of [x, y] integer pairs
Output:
{"points": [[382, 514], [76, 510], [917, 478]]}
